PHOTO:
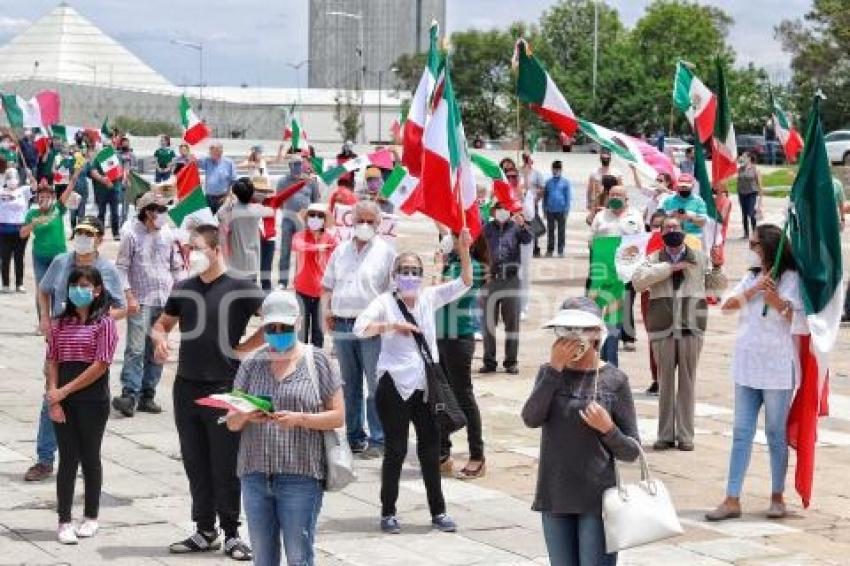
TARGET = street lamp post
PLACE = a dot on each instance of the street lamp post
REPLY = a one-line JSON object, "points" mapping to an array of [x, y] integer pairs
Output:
{"points": [[359, 17], [199, 47], [297, 68], [595, 46]]}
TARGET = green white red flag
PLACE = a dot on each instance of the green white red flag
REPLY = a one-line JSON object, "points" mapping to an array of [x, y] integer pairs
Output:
{"points": [[712, 231], [192, 210], [194, 130], [691, 96], [724, 155], [383, 159], [814, 236], [39, 111], [624, 147], [399, 189], [536, 87], [790, 138], [295, 134], [501, 189], [109, 163], [417, 117]]}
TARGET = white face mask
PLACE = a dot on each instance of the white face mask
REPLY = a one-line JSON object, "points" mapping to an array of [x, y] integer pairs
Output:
{"points": [[12, 183], [198, 262], [364, 232], [83, 244], [447, 244], [753, 259], [315, 224], [502, 215], [160, 220]]}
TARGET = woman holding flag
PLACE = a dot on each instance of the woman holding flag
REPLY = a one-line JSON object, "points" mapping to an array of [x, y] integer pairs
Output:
{"points": [[763, 364]]}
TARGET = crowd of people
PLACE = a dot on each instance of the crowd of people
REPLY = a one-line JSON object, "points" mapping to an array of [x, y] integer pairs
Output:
{"points": [[387, 326]]}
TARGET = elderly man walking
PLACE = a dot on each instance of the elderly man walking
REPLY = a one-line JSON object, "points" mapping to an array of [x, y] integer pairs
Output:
{"points": [[358, 271], [676, 321], [219, 173]]}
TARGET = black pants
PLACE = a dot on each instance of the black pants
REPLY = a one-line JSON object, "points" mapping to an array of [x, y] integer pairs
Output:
{"points": [[556, 221], [209, 453], [108, 199], [311, 320], [748, 210], [79, 439], [502, 302], [266, 258], [628, 333], [12, 246], [396, 414], [456, 359]]}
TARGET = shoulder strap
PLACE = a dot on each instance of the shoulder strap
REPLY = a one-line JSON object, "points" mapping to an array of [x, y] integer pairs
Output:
{"points": [[310, 360], [424, 349]]}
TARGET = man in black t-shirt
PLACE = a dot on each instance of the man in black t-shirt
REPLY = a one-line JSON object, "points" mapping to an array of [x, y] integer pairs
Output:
{"points": [[213, 310]]}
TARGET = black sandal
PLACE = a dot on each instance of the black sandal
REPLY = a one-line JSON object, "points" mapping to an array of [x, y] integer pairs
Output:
{"points": [[468, 473], [198, 542], [236, 549]]}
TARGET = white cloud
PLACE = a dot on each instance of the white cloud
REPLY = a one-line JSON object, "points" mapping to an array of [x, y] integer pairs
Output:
{"points": [[12, 25]]}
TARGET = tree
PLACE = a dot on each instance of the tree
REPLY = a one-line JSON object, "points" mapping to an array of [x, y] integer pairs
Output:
{"points": [[140, 127], [820, 59], [347, 115]]}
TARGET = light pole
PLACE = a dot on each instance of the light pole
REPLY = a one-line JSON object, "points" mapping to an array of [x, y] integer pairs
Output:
{"points": [[297, 68], [380, 98], [199, 47], [361, 50], [595, 46]]}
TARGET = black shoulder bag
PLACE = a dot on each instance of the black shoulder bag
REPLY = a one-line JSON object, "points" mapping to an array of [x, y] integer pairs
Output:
{"points": [[440, 398]]}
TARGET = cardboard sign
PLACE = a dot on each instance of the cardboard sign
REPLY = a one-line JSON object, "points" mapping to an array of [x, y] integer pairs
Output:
{"points": [[344, 218]]}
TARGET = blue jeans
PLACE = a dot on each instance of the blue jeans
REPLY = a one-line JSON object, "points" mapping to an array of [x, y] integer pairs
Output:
{"points": [[108, 199], [357, 357], [39, 268], [45, 441], [748, 402], [282, 506], [140, 374], [576, 540], [609, 352], [160, 176]]}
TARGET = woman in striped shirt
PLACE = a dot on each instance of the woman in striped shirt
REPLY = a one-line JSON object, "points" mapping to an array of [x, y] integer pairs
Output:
{"points": [[80, 347]]}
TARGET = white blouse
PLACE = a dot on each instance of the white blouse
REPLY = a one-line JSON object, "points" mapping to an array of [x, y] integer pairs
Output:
{"points": [[765, 354]]}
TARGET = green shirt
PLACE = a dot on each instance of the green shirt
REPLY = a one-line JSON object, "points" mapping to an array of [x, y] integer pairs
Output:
{"points": [[48, 238], [838, 189], [457, 319], [164, 156], [693, 204]]}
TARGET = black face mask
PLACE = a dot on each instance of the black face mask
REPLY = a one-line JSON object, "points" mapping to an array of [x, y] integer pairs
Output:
{"points": [[125, 149], [673, 239], [605, 161], [685, 194]]}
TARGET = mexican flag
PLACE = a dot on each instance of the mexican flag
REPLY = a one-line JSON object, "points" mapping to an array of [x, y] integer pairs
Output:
{"points": [[136, 187], [37, 112], [785, 131], [535, 86], [195, 130], [691, 96], [501, 190], [65, 133], [62, 170], [109, 163], [624, 147], [813, 233], [606, 288], [188, 179], [382, 159], [40, 140], [104, 129], [724, 154], [414, 126], [448, 182], [236, 401], [192, 210], [712, 232], [296, 134], [399, 188]]}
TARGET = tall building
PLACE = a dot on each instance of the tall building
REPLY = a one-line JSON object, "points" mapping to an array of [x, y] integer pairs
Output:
{"points": [[388, 28]]}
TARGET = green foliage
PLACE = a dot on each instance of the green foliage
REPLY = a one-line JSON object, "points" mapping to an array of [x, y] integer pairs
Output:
{"points": [[347, 115], [820, 50], [139, 127]]}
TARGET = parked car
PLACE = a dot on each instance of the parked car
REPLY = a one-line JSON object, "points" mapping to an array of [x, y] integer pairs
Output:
{"points": [[675, 148], [838, 146], [756, 145]]}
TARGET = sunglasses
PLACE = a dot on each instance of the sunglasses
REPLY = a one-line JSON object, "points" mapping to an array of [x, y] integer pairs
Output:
{"points": [[369, 222], [315, 215], [278, 328], [410, 271]]}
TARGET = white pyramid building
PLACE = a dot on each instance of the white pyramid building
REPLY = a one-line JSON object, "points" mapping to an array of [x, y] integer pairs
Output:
{"points": [[65, 46]]}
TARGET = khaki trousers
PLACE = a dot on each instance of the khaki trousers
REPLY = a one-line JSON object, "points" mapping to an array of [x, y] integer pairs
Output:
{"points": [[676, 398]]}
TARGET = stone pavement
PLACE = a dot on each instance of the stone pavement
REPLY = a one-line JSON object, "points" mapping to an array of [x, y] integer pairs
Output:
{"points": [[145, 503]]}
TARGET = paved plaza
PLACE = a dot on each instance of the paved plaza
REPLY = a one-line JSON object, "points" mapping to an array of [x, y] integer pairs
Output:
{"points": [[145, 502]]}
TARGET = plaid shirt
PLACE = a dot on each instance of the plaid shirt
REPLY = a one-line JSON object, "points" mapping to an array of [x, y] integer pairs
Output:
{"points": [[268, 448], [149, 263]]}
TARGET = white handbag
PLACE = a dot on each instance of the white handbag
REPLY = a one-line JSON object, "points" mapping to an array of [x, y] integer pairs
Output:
{"points": [[339, 462], [638, 514]]}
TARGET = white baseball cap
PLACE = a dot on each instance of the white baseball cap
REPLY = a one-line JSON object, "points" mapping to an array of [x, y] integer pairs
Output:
{"points": [[280, 307]]}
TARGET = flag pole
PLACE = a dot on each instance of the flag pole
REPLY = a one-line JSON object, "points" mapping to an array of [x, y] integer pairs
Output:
{"points": [[774, 270]]}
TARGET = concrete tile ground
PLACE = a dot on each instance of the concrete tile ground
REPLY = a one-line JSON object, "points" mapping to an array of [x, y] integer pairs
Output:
{"points": [[146, 504]]}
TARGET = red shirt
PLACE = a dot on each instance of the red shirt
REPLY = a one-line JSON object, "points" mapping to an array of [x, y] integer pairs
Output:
{"points": [[71, 341], [341, 195], [313, 254]]}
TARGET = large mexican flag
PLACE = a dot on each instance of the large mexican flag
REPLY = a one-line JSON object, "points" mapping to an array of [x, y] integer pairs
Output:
{"points": [[399, 189], [813, 232], [724, 147], [39, 111], [195, 130], [417, 117], [536, 87], [500, 189], [691, 96], [791, 140], [624, 147]]}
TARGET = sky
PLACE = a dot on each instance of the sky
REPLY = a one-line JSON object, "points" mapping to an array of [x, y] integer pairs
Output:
{"points": [[251, 41]]}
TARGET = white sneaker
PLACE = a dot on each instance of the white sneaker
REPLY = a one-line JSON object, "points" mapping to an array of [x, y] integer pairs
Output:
{"points": [[66, 534], [87, 528]]}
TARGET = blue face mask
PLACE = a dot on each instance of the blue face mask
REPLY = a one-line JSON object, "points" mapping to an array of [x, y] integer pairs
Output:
{"points": [[280, 341], [81, 296]]}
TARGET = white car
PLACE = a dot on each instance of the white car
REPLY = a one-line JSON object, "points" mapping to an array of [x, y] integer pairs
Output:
{"points": [[838, 146]]}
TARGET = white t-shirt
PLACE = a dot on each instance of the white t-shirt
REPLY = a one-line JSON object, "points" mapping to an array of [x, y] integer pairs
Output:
{"points": [[14, 204], [357, 277], [399, 355], [765, 354], [606, 223]]}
